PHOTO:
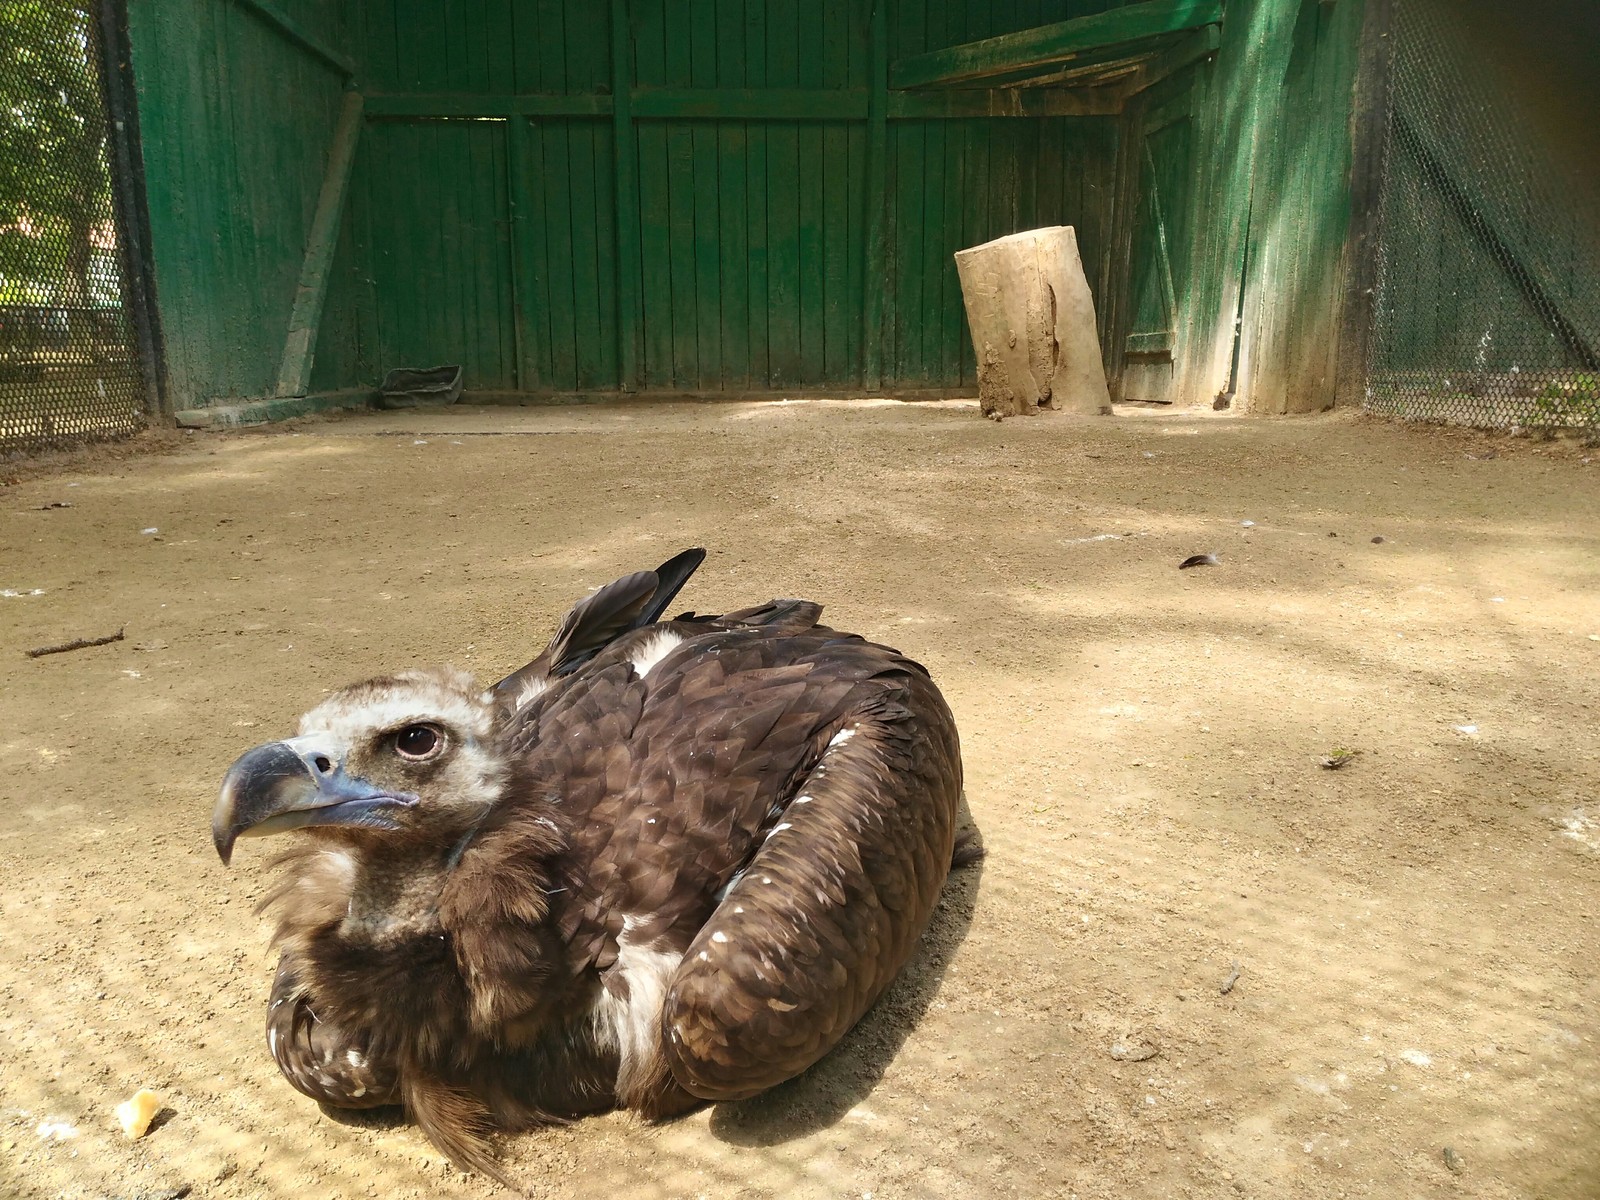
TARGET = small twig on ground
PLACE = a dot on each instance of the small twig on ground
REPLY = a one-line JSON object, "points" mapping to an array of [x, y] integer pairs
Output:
{"points": [[75, 644], [1227, 984]]}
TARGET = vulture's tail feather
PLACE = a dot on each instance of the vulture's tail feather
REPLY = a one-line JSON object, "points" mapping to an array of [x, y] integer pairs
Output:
{"points": [[969, 848], [457, 1124]]}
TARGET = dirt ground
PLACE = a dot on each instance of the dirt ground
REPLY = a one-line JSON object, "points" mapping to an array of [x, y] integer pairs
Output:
{"points": [[1415, 938]]}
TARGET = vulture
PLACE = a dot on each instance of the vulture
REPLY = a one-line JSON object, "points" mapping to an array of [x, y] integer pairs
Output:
{"points": [[667, 862]]}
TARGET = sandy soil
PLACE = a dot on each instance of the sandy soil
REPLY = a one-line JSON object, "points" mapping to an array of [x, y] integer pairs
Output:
{"points": [[1417, 935]]}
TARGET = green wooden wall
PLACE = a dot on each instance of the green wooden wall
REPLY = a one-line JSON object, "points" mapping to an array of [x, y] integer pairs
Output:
{"points": [[703, 196], [235, 121], [488, 227], [1251, 152]]}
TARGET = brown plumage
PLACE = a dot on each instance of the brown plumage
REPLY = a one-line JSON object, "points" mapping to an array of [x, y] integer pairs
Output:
{"points": [[663, 864]]}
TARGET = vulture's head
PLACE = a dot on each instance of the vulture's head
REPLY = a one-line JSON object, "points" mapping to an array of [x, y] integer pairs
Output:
{"points": [[408, 757]]}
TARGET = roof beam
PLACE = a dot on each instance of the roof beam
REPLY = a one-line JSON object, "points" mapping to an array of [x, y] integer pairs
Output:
{"points": [[1041, 47], [1192, 49]]}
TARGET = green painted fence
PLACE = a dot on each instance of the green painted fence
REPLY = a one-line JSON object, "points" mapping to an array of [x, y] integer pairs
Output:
{"points": [[744, 222], [574, 197]]}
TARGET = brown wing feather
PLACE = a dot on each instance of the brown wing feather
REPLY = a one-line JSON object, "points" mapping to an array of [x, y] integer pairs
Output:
{"points": [[829, 908], [331, 1064]]}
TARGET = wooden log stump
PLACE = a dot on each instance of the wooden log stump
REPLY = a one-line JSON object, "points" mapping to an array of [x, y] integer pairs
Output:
{"points": [[1032, 322]]}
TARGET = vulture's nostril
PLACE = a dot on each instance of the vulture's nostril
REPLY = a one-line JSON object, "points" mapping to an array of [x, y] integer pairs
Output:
{"points": [[322, 764]]}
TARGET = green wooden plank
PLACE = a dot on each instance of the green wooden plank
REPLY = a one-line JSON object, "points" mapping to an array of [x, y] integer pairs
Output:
{"points": [[963, 104], [784, 316], [1202, 43], [811, 250], [681, 252], [707, 204], [523, 232], [934, 249], [877, 201], [589, 48], [701, 33], [441, 105], [294, 369], [428, 25], [656, 305], [811, 166], [500, 41], [281, 23], [838, 305], [608, 334], [537, 180], [758, 234], [456, 61], [708, 258], [625, 161], [732, 165], [948, 327], [751, 104], [553, 18], [590, 322], [903, 304], [855, 287], [1049, 44], [978, 162], [479, 273], [558, 255]]}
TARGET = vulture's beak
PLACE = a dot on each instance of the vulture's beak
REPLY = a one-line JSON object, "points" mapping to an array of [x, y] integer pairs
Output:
{"points": [[292, 784]]}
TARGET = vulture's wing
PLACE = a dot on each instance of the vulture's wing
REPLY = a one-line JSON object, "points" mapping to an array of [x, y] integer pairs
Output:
{"points": [[330, 1064], [769, 802], [832, 903], [599, 619]]}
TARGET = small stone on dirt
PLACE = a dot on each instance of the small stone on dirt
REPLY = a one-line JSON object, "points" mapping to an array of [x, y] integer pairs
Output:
{"points": [[1132, 1050]]}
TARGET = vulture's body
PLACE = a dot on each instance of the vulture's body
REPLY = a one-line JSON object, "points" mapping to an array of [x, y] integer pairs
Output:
{"points": [[667, 862]]}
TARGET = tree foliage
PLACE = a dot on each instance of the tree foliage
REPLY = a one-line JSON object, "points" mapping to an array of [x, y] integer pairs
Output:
{"points": [[55, 187]]}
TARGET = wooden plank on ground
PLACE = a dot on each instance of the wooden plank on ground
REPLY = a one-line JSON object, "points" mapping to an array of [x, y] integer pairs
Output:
{"points": [[294, 369]]}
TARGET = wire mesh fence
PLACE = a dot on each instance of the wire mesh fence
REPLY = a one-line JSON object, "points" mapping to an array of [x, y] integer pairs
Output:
{"points": [[70, 367], [1487, 309]]}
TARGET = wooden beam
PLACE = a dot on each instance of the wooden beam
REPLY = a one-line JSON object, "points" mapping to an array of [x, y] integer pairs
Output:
{"points": [[962, 103], [875, 274], [299, 349], [440, 106], [630, 255], [1048, 44], [752, 104], [1202, 43], [1078, 73], [291, 29]]}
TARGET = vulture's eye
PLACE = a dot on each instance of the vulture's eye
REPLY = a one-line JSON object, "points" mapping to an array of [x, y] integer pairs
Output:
{"points": [[418, 741]]}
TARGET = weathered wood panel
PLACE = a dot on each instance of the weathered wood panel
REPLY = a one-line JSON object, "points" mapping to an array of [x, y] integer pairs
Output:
{"points": [[1267, 200], [236, 121]]}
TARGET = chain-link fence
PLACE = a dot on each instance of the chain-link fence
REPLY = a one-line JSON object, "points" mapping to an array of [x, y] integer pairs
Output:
{"points": [[70, 365], [1487, 310]]}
